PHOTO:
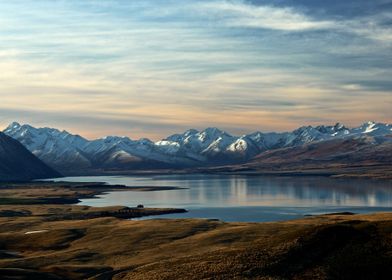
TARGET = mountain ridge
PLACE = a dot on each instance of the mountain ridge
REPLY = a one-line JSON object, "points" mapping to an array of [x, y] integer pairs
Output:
{"points": [[209, 147], [362, 156]]}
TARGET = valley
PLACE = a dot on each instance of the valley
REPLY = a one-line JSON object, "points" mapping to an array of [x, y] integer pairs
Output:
{"points": [[203, 139], [49, 232]]}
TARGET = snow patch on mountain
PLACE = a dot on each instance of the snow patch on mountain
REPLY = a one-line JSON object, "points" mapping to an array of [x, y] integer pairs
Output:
{"points": [[63, 150]]}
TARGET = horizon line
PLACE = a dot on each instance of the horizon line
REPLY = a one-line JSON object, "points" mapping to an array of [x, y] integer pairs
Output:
{"points": [[16, 123]]}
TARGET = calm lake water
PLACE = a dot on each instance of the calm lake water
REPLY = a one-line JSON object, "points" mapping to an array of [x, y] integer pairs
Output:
{"points": [[247, 198]]}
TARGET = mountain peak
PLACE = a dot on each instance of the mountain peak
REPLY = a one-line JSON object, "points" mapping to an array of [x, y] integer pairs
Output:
{"points": [[214, 131], [209, 146], [303, 129], [13, 125], [339, 126], [369, 126], [190, 132]]}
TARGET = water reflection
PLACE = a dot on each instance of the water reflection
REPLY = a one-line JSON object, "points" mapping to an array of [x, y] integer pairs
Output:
{"points": [[317, 194]]}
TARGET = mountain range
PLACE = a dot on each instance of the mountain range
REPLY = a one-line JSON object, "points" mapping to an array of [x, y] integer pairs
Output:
{"points": [[72, 154], [19, 164]]}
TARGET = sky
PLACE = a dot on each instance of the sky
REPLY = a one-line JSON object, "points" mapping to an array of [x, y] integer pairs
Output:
{"points": [[151, 68]]}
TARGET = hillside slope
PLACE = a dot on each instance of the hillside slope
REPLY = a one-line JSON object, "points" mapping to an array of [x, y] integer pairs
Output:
{"points": [[18, 164], [366, 156]]}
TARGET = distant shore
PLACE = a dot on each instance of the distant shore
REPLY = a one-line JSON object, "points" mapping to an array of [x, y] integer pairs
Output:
{"points": [[378, 172]]}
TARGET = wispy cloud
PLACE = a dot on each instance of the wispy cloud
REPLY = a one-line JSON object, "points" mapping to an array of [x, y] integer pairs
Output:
{"points": [[240, 13], [249, 64], [243, 14], [377, 27]]}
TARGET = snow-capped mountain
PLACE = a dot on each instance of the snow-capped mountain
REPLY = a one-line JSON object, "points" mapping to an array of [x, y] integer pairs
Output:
{"points": [[70, 153], [56, 148]]}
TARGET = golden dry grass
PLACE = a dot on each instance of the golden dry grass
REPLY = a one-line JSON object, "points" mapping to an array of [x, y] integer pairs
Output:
{"points": [[322, 247], [107, 248]]}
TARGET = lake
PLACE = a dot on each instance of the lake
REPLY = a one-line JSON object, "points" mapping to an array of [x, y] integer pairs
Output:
{"points": [[247, 198]]}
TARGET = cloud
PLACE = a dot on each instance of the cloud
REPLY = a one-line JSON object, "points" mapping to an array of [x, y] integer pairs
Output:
{"points": [[377, 28], [91, 125], [352, 87], [242, 14], [239, 13], [151, 68]]}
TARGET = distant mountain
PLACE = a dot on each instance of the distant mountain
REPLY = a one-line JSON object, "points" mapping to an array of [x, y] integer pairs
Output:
{"points": [[19, 164], [73, 154], [363, 155], [360, 150]]}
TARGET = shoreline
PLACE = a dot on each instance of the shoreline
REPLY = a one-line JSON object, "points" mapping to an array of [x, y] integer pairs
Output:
{"points": [[373, 172], [66, 195], [68, 241]]}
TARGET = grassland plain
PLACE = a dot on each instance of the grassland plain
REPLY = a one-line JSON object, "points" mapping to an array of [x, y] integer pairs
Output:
{"points": [[63, 241]]}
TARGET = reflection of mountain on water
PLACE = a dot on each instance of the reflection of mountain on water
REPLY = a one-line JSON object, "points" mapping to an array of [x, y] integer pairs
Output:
{"points": [[322, 191], [232, 191], [289, 191]]}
